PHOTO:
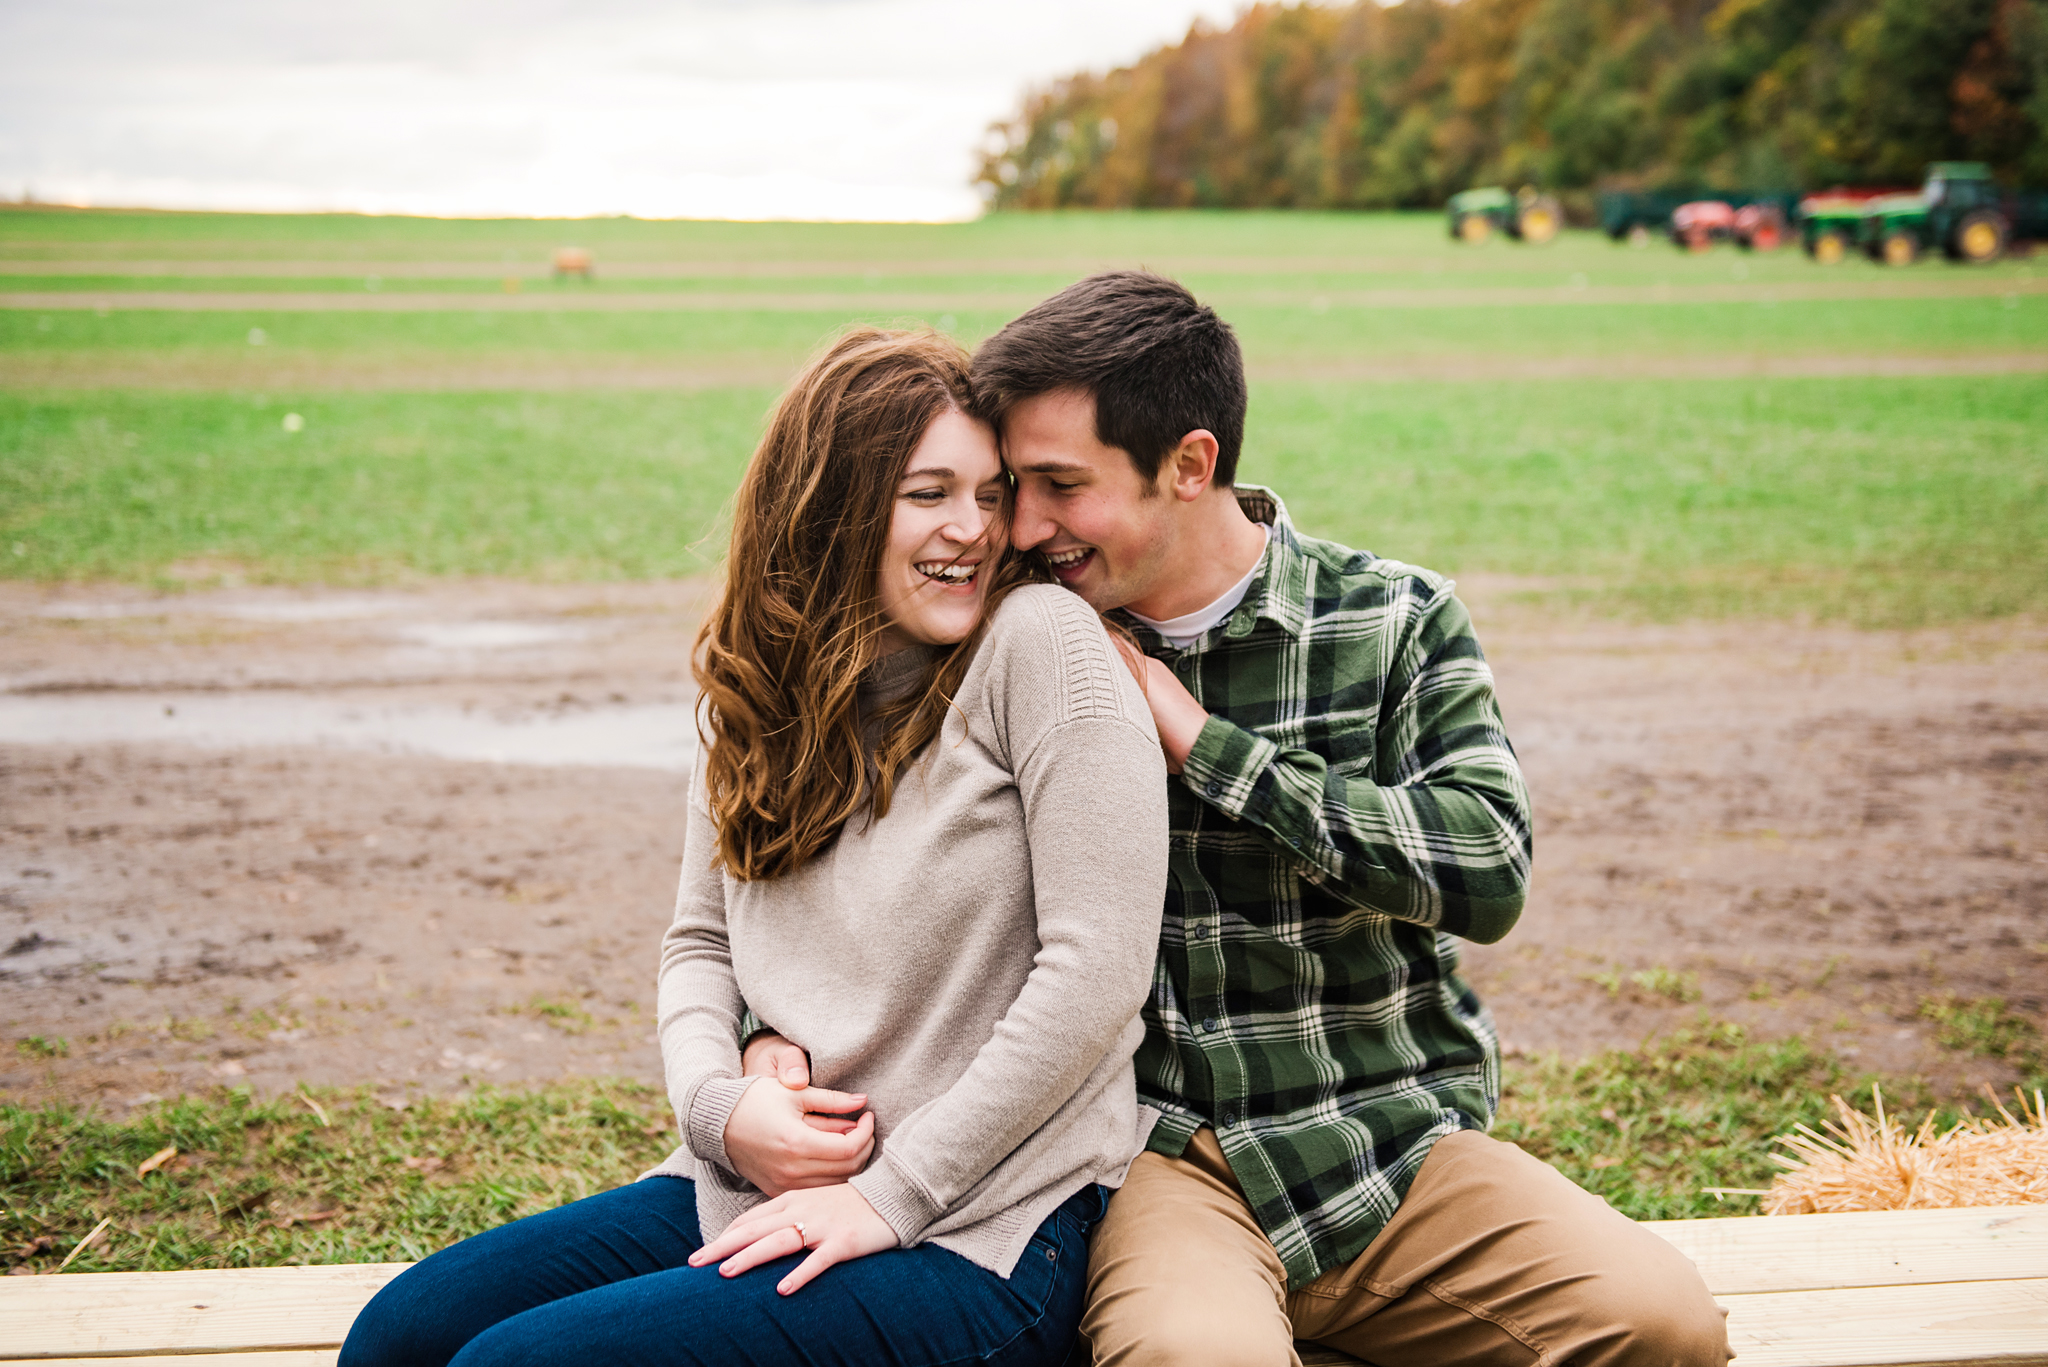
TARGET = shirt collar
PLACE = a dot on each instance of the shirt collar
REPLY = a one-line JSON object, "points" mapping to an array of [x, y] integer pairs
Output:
{"points": [[1280, 592]]}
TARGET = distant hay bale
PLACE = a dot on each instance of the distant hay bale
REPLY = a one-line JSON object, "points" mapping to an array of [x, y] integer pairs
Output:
{"points": [[1865, 1164]]}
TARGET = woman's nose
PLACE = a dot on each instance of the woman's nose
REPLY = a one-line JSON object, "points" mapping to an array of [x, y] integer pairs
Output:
{"points": [[968, 524]]}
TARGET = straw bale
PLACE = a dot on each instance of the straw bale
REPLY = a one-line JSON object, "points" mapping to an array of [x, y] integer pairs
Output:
{"points": [[1875, 1164]]}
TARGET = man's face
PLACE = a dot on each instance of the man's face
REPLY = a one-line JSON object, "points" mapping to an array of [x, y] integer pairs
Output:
{"points": [[1106, 532]]}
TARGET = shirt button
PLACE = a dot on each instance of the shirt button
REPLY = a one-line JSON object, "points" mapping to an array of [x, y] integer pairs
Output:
{"points": [[1210, 1025], [1229, 1119], [1212, 788], [1201, 932]]}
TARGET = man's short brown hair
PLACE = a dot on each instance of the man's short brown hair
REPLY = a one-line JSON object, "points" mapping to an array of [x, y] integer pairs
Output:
{"points": [[1158, 364]]}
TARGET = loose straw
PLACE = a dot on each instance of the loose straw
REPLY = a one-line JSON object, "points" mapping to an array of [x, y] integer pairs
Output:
{"points": [[1865, 1164]]}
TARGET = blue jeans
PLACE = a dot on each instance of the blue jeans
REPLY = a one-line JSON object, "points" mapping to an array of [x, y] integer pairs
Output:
{"points": [[606, 1280]]}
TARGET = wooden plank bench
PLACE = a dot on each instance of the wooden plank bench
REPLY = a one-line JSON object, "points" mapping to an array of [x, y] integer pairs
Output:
{"points": [[1895, 1287]]}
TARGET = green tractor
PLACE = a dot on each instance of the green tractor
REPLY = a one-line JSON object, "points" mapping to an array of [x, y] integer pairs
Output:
{"points": [[1829, 223], [1528, 216], [1960, 211]]}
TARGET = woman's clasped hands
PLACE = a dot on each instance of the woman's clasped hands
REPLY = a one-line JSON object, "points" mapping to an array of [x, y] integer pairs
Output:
{"points": [[798, 1144]]}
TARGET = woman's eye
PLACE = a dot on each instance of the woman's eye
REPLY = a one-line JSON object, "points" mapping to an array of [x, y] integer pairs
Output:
{"points": [[926, 495]]}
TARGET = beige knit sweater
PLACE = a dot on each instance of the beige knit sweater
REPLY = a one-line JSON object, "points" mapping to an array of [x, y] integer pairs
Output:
{"points": [[974, 961]]}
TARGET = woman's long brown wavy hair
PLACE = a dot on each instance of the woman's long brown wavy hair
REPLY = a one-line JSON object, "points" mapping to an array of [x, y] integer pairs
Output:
{"points": [[781, 656]]}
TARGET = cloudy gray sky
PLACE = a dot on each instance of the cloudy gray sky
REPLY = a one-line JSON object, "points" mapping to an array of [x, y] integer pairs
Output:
{"points": [[690, 108]]}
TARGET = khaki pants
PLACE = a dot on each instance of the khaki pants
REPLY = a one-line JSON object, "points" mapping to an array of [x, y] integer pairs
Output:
{"points": [[1494, 1258]]}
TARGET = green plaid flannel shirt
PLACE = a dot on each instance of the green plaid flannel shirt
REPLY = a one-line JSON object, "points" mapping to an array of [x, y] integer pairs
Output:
{"points": [[1351, 807]]}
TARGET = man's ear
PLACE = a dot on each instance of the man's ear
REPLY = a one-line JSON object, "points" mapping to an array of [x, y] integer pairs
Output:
{"points": [[1190, 466]]}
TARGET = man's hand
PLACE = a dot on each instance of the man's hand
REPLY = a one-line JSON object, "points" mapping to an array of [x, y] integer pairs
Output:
{"points": [[835, 1223], [770, 1055], [1175, 713]]}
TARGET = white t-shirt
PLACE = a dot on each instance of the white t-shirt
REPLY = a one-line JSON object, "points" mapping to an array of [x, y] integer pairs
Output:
{"points": [[1183, 631]]}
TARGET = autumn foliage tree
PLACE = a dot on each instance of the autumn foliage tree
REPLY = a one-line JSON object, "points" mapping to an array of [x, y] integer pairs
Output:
{"points": [[1370, 106]]}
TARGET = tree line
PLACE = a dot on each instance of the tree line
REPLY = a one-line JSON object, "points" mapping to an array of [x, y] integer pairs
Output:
{"points": [[1371, 106]]}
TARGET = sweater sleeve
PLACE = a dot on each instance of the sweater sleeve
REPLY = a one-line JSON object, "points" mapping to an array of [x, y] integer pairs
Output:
{"points": [[1080, 741], [698, 1002]]}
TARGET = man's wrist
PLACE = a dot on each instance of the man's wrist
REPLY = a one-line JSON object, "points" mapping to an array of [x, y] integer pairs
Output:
{"points": [[1224, 765]]}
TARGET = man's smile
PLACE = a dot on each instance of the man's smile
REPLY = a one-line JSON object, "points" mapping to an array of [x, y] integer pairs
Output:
{"points": [[1069, 564]]}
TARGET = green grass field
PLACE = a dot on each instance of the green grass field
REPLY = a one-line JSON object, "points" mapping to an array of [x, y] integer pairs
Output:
{"points": [[1648, 431]]}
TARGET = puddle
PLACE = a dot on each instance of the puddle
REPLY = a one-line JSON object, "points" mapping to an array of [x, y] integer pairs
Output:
{"points": [[489, 635], [333, 609], [653, 736], [474, 635]]}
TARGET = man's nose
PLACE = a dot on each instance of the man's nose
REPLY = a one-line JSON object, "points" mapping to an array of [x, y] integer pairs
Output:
{"points": [[1029, 526]]}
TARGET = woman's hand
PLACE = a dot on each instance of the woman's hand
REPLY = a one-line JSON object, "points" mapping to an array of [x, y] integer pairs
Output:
{"points": [[1176, 714], [835, 1223], [782, 1139]]}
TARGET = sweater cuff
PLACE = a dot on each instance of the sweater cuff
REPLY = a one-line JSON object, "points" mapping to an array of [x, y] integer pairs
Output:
{"points": [[711, 1106], [898, 1198], [1224, 766]]}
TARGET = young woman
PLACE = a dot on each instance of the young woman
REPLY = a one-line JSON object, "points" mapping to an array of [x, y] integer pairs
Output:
{"points": [[926, 843]]}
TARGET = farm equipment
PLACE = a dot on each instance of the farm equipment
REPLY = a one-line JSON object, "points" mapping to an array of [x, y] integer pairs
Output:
{"points": [[1830, 221], [1756, 226], [1760, 226], [1528, 216], [1960, 211], [1754, 221], [1700, 224]]}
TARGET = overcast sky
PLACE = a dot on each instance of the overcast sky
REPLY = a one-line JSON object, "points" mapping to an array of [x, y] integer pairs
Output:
{"points": [[690, 108]]}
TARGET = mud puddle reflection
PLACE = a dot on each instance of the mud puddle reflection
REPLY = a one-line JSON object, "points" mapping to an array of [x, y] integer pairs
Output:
{"points": [[634, 736]]}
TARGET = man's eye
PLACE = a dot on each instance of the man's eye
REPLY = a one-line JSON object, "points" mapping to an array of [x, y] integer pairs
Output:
{"points": [[1065, 488]]}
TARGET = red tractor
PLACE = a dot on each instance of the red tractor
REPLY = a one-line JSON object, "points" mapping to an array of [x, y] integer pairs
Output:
{"points": [[1757, 226]]}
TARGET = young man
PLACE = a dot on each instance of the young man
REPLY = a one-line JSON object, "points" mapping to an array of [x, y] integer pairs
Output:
{"points": [[1346, 808]]}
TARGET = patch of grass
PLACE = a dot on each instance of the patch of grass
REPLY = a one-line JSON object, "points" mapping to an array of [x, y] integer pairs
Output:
{"points": [[1278, 338], [565, 1016], [1656, 983], [372, 487], [1651, 1129], [316, 1177], [1988, 1028], [1888, 502], [323, 1175], [43, 1046], [1880, 502]]}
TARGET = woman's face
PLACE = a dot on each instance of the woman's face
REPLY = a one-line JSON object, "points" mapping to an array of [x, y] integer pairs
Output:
{"points": [[941, 531]]}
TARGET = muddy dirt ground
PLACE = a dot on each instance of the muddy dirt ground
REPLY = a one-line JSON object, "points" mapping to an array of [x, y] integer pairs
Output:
{"points": [[426, 839]]}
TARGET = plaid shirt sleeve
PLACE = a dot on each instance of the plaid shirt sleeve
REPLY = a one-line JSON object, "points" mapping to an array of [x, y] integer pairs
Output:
{"points": [[1440, 835]]}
